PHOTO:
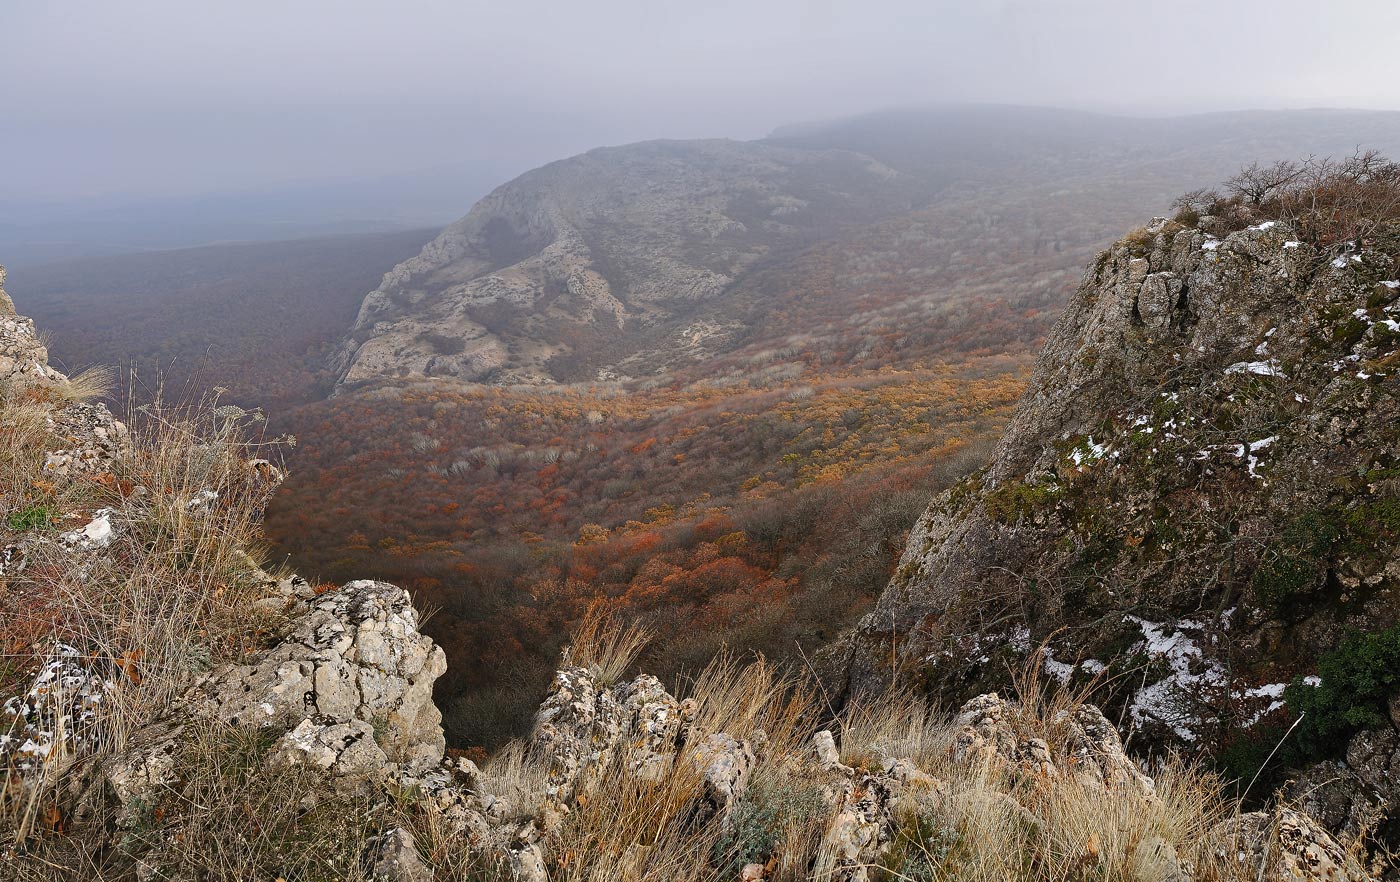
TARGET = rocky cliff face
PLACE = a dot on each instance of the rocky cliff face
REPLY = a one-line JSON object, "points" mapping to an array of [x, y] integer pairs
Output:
{"points": [[604, 265], [1197, 499]]}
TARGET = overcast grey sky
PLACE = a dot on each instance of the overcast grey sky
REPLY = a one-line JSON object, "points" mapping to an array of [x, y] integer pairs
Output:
{"points": [[171, 97]]}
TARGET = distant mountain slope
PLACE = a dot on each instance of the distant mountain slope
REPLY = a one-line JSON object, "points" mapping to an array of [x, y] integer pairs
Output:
{"points": [[588, 267]]}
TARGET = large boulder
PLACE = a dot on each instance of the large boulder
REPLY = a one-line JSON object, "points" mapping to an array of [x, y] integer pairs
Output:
{"points": [[354, 669]]}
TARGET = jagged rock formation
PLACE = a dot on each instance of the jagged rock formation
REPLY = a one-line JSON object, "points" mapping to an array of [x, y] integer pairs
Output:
{"points": [[1200, 485], [594, 267]]}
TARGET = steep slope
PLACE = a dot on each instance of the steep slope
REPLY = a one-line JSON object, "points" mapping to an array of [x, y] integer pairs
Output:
{"points": [[1196, 500], [590, 267]]}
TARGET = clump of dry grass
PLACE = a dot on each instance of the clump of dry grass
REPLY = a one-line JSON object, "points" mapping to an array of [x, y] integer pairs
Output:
{"points": [[605, 646], [228, 814], [896, 724], [518, 775]]}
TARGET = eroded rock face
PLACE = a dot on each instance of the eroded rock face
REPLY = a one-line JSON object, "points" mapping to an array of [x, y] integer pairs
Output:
{"points": [[23, 357], [1284, 846], [52, 722], [654, 718], [89, 439], [724, 763], [578, 727], [393, 857], [1090, 749], [1359, 791]]}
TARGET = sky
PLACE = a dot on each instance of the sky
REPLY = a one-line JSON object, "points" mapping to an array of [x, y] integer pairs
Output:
{"points": [[173, 98]]}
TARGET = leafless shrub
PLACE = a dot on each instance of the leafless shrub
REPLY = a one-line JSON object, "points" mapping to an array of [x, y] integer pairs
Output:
{"points": [[1329, 202]]}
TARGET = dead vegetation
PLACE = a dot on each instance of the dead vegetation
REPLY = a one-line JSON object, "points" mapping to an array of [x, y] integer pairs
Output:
{"points": [[1329, 202], [140, 571]]}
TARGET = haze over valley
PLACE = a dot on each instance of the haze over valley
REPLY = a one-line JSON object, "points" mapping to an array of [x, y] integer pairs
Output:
{"points": [[785, 442]]}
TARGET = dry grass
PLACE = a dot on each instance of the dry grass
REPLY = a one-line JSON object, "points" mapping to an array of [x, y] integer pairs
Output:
{"points": [[894, 725], [517, 775], [231, 815], [989, 822], [604, 646], [167, 598]]}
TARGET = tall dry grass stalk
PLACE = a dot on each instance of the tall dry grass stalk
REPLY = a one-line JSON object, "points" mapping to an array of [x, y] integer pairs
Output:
{"points": [[605, 646]]}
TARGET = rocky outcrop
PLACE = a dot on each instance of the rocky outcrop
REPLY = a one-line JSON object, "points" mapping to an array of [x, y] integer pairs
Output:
{"points": [[1201, 477], [394, 858], [23, 356], [353, 671], [348, 691], [592, 268]]}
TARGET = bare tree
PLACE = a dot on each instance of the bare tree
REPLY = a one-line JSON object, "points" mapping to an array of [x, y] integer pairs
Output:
{"points": [[1256, 183]]}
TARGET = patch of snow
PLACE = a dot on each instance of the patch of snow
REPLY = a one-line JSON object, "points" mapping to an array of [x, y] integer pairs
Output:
{"points": [[1266, 225], [1268, 368], [1292, 243], [1254, 447], [1057, 669], [1211, 244], [1271, 690], [1088, 452], [1189, 673], [97, 533], [1313, 681]]}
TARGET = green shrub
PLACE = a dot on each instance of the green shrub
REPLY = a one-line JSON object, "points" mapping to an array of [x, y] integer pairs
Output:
{"points": [[1297, 562], [1357, 679], [32, 517], [1349, 331], [1373, 522], [762, 819], [1282, 576], [1241, 759]]}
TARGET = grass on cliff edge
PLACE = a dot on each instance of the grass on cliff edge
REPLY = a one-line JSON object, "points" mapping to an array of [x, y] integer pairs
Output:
{"points": [[166, 598]]}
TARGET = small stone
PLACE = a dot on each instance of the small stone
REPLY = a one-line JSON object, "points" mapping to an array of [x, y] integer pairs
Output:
{"points": [[394, 858]]}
